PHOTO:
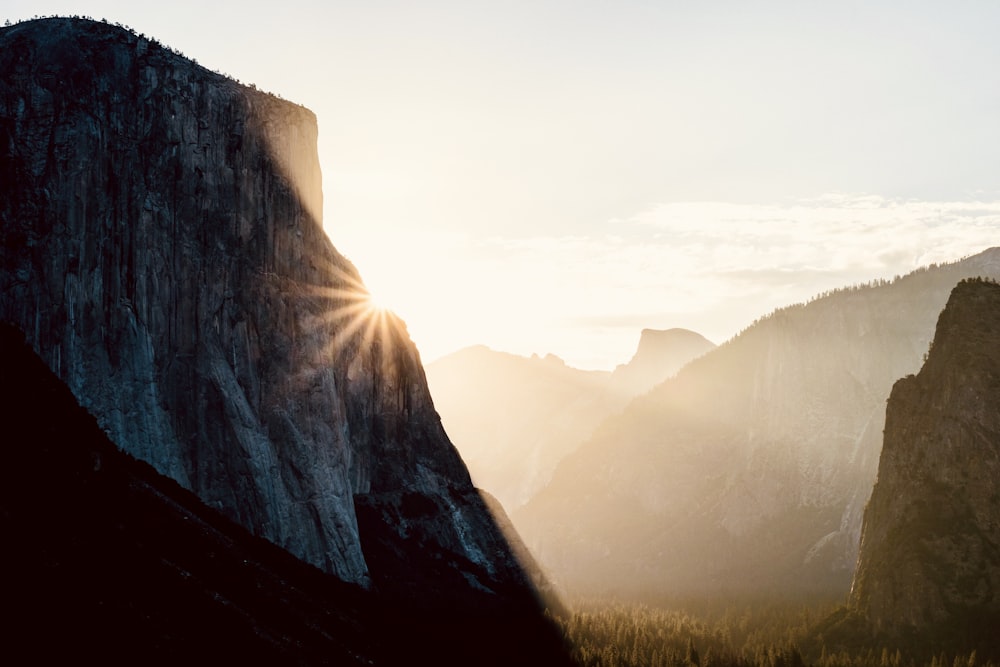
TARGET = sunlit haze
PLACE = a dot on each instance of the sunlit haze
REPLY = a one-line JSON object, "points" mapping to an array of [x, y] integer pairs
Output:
{"points": [[553, 177]]}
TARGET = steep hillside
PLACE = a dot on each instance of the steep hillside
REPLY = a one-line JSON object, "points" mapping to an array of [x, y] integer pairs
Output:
{"points": [[514, 418], [107, 560], [749, 470], [929, 564], [163, 252]]}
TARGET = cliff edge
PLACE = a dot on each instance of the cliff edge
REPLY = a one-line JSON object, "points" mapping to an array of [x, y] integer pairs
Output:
{"points": [[930, 545], [164, 254]]}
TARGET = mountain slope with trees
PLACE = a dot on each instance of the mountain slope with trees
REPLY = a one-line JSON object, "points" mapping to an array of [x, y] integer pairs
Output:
{"points": [[750, 469]]}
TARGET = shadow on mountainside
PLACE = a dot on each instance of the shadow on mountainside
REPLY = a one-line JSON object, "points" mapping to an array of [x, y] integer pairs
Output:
{"points": [[106, 558]]}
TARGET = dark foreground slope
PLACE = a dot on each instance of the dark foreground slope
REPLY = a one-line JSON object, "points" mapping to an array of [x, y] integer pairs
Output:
{"points": [[163, 253], [103, 558], [929, 565]]}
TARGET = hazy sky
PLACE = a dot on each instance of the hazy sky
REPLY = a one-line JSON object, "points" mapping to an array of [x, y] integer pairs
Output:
{"points": [[556, 176]]}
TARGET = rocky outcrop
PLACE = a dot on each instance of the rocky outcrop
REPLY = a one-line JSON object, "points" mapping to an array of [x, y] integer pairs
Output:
{"points": [[661, 353], [750, 469], [930, 545], [163, 252]]}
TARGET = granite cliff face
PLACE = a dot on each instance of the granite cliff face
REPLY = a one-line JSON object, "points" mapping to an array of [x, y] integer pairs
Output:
{"points": [[930, 546], [750, 469], [111, 563], [163, 252], [117, 563]]}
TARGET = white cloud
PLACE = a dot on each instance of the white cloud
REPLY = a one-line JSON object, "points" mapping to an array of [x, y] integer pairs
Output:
{"points": [[709, 266], [833, 233]]}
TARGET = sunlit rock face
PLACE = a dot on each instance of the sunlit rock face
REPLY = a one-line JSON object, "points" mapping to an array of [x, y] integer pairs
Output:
{"points": [[748, 471], [930, 547], [162, 251]]}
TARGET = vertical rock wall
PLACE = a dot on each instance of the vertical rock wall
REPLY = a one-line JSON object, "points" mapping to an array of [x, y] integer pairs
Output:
{"points": [[163, 253], [930, 545]]}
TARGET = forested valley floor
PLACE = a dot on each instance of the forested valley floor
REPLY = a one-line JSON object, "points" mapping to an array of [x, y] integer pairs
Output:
{"points": [[744, 633]]}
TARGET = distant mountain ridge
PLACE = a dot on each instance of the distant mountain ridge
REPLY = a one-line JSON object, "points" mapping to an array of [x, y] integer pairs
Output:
{"points": [[514, 418], [750, 469], [929, 562], [661, 353]]}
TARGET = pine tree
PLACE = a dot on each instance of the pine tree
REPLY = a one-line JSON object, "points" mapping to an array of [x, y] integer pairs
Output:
{"points": [[691, 656]]}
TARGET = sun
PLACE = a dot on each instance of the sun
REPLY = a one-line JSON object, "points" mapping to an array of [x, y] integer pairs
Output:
{"points": [[359, 325], [374, 303], [382, 287]]}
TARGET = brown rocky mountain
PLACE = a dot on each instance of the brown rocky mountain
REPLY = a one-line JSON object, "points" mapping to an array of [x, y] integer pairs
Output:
{"points": [[515, 418], [929, 562], [163, 253], [750, 469]]}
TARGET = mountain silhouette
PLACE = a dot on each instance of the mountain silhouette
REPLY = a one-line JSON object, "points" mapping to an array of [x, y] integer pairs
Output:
{"points": [[661, 353], [515, 418]]}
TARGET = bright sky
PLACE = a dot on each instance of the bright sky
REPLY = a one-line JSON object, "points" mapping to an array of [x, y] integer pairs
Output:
{"points": [[555, 176]]}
